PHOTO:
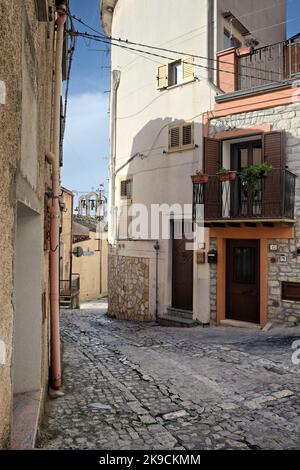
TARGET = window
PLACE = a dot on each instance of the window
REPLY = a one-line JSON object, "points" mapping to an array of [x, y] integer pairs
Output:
{"points": [[176, 73], [181, 136], [230, 41], [126, 189], [291, 291]]}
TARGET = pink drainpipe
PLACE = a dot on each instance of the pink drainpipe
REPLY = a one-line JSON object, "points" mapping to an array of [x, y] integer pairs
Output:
{"points": [[55, 209]]}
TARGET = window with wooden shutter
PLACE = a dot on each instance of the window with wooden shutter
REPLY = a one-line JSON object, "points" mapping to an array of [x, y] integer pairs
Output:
{"points": [[181, 136], [174, 138], [212, 153], [126, 189], [274, 154], [187, 135], [176, 73], [188, 69], [162, 77]]}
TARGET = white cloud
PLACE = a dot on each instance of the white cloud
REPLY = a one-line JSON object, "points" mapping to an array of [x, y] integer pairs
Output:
{"points": [[86, 141]]}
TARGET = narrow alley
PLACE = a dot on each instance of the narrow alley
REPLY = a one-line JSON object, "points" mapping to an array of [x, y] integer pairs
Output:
{"points": [[141, 386]]}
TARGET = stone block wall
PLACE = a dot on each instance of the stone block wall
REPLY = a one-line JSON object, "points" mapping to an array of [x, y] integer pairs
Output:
{"points": [[128, 288], [281, 118]]}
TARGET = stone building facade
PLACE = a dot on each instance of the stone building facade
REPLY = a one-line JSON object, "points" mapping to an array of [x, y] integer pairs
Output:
{"points": [[129, 298], [283, 264], [26, 79]]}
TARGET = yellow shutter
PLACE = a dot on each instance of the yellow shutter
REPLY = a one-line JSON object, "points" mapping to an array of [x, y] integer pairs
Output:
{"points": [[162, 77], [188, 68], [174, 137]]}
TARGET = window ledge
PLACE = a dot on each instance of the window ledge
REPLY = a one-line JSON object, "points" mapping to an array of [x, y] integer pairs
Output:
{"points": [[182, 149], [172, 87]]}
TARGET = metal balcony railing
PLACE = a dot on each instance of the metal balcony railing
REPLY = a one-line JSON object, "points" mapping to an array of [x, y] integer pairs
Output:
{"points": [[70, 287], [269, 64], [273, 198]]}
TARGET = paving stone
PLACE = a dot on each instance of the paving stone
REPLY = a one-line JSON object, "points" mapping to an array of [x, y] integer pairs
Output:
{"points": [[140, 386], [175, 415]]}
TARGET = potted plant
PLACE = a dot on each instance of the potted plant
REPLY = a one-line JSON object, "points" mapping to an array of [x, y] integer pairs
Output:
{"points": [[252, 174], [248, 48], [200, 178], [226, 175]]}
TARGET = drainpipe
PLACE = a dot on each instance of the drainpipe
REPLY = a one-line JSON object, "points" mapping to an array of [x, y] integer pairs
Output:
{"points": [[116, 76], [156, 248], [55, 209]]}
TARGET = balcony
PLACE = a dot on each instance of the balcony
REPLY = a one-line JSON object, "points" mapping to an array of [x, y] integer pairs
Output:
{"points": [[240, 69], [272, 200]]}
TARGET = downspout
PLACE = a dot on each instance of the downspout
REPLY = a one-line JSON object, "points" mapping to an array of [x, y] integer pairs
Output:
{"points": [[55, 209], [156, 248], [116, 76]]}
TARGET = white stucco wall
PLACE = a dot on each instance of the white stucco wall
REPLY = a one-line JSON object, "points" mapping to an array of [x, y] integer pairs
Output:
{"points": [[144, 112]]}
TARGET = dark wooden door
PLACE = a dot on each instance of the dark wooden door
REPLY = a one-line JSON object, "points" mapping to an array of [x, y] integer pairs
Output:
{"points": [[243, 280], [182, 274]]}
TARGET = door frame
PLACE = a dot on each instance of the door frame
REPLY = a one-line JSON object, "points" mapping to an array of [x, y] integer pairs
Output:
{"points": [[172, 231], [230, 271], [264, 234]]}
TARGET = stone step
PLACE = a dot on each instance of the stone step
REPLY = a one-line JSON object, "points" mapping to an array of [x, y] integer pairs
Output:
{"points": [[175, 312], [65, 303], [174, 320]]}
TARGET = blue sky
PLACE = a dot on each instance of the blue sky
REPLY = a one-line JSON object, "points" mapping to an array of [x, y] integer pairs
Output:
{"points": [[86, 138]]}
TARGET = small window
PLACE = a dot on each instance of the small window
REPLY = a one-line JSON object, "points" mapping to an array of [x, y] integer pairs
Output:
{"points": [[181, 136], [291, 291], [175, 137], [175, 73], [187, 135], [126, 189], [230, 41]]}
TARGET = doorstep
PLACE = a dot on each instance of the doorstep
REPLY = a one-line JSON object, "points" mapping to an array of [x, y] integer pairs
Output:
{"points": [[240, 324], [26, 412]]}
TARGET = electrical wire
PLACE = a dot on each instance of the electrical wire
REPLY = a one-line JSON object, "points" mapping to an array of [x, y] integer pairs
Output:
{"points": [[163, 49], [207, 67]]}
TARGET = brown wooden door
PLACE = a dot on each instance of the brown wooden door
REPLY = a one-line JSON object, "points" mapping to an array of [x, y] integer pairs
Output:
{"points": [[243, 280], [182, 285]]}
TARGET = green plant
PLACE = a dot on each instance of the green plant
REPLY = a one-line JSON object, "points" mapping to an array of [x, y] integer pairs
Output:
{"points": [[251, 42], [223, 171], [199, 173], [252, 174]]}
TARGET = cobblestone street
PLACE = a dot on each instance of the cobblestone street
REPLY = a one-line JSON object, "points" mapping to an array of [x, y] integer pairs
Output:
{"points": [[142, 386]]}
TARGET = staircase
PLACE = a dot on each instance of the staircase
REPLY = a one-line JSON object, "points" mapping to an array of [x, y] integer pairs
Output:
{"points": [[65, 301], [177, 318]]}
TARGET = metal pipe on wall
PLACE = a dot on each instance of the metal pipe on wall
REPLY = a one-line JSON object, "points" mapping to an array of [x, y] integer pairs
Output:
{"points": [[55, 209]]}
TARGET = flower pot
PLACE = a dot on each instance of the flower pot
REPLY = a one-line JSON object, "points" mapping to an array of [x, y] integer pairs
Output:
{"points": [[244, 51], [230, 176], [200, 179]]}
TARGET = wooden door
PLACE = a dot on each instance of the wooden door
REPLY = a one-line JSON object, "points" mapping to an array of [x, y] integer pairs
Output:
{"points": [[243, 280], [182, 274]]}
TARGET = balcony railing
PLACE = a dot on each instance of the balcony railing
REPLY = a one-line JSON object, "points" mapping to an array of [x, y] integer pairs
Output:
{"points": [[245, 69], [70, 287], [273, 198], [269, 64]]}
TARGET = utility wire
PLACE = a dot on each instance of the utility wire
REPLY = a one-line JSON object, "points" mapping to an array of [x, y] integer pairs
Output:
{"points": [[126, 41], [207, 67]]}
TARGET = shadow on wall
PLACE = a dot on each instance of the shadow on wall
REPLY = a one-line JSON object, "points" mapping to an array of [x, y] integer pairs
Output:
{"points": [[150, 175]]}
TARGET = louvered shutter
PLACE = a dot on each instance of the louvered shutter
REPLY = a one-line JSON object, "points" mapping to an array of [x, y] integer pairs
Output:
{"points": [[187, 135], [274, 154], [188, 68], [213, 189], [123, 189], [174, 138], [162, 77]]}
